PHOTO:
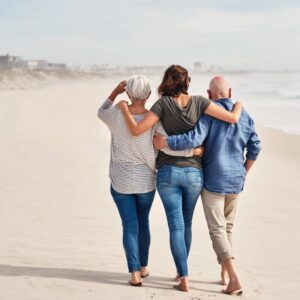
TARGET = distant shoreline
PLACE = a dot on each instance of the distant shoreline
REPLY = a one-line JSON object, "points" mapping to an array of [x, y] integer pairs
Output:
{"points": [[18, 78]]}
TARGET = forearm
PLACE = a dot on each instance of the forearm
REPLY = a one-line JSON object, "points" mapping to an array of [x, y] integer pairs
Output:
{"points": [[119, 89], [235, 114], [248, 164], [113, 95], [105, 112], [133, 126], [220, 113], [183, 141], [182, 153], [190, 139], [138, 128]]}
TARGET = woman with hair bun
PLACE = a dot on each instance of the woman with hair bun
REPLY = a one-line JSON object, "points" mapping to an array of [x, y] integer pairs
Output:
{"points": [[179, 179]]}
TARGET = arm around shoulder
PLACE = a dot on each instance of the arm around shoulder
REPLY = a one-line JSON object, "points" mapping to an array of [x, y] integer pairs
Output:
{"points": [[192, 138], [220, 113], [138, 128]]}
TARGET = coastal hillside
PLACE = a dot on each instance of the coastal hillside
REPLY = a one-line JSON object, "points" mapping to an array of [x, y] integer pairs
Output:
{"points": [[27, 78]]}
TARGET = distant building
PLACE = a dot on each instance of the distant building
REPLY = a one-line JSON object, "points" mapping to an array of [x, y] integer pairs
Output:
{"points": [[8, 61], [43, 65], [35, 64], [55, 66]]}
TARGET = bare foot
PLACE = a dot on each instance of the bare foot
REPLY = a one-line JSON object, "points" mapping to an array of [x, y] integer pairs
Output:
{"points": [[183, 286], [144, 272], [177, 277], [234, 288], [224, 277], [135, 279]]}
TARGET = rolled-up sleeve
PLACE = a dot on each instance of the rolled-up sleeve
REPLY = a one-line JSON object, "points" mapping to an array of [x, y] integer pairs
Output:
{"points": [[253, 146], [107, 113], [193, 138], [167, 150]]}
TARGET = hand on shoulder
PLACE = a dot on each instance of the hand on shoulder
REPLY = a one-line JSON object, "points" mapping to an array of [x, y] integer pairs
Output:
{"points": [[123, 105]]}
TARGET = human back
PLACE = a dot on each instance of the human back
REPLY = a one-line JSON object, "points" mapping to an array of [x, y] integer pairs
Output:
{"points": [[131, 150], [178, 112], [224, 167], [223, 160], [179, 180], [132, 174], [132, 163]]}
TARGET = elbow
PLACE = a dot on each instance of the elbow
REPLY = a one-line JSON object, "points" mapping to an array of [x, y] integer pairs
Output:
{"points": [[99, 114], [234, 119], [135, 132], [253, 155], [258, 150]]}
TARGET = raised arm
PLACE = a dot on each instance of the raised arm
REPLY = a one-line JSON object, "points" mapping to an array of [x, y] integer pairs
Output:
{"points": [[220, 113], [105, 113], [138, 128]]}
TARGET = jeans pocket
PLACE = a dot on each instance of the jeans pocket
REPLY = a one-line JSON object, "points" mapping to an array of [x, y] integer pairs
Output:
{"points": [[194, 177], [164, 176]]}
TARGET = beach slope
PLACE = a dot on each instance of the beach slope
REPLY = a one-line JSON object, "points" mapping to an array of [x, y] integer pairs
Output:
{"points": [[61, 233]]}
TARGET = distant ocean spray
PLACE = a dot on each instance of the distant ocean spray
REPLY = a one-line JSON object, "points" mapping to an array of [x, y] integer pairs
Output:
{"points": [[272, 99]]}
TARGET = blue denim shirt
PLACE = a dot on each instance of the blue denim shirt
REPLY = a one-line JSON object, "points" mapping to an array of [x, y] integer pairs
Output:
{"points": [[225, 144]]}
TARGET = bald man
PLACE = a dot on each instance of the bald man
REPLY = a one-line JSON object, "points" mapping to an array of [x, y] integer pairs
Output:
{"points": [[224, 169]]}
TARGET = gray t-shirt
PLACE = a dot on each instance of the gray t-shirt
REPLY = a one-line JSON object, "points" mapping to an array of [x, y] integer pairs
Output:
{"points": [[177, 120]]}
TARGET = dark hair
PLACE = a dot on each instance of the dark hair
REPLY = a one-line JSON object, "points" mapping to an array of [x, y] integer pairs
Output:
{"points": [[175, 81]]}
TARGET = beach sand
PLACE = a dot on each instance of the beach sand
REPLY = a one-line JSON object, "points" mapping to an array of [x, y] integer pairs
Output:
{"points": [[61, 233]]}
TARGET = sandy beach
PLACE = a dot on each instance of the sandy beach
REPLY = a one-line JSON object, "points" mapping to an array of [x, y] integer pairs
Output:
{"points": [[60, 230]]}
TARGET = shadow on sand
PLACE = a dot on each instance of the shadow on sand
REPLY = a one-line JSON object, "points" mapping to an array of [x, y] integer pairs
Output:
{"points": [[102, 277]]}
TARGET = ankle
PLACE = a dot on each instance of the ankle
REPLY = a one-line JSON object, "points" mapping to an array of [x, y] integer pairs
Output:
{"points": [[234, 281], [184, 280], [136, 274], [233, 277]]}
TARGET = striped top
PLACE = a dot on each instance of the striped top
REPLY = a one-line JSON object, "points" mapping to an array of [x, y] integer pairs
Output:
{"points": [[132, 160]]}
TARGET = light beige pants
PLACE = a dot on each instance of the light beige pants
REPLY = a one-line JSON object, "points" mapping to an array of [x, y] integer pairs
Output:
{"points": [[220, 212]]}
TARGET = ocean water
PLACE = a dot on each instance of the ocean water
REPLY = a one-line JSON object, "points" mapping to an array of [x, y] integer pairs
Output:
{"points": [[272, 99]]}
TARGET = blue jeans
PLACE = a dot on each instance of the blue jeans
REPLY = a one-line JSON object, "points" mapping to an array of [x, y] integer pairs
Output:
{"points": [[134, 211], [179, 189]]}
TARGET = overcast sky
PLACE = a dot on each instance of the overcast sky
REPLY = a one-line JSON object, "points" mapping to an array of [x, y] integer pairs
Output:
{"points": [[236, 34]]}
